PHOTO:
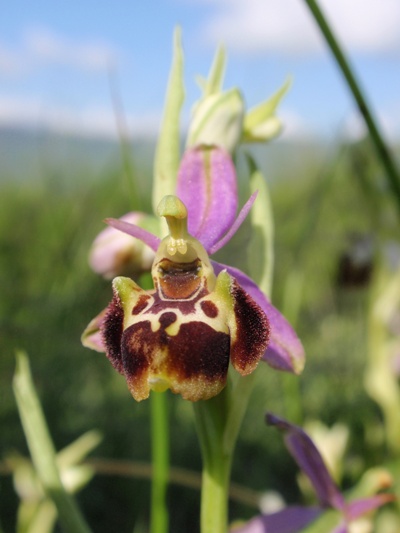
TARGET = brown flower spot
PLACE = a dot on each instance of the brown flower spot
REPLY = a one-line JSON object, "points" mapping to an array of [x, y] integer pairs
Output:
{"points": [[209, 308], [141, 304], [166, 319]]}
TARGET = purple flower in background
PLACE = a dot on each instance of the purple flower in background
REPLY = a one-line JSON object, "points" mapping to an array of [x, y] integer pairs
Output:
{"points": [[207, 187], [293, 519]]}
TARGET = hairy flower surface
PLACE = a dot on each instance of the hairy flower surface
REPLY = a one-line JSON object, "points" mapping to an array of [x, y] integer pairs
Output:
{"points": [[200, 314]]}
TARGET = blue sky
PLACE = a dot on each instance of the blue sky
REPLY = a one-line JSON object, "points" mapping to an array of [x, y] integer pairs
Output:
{"points": [[54, 59]]}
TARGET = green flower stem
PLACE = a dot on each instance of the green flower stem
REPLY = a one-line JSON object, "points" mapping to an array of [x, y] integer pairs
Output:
{"points": [[214, 500], [42, 449], [387, 161], [210, 417], [160, 462], [239, 399], [218, 422]]}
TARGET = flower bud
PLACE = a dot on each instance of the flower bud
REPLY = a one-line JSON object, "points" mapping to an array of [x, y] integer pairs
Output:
{"points": [[217, 120]]}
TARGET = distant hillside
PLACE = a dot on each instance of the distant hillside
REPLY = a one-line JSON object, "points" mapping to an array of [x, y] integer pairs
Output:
{"points": [[30, 154], [27, 154]]}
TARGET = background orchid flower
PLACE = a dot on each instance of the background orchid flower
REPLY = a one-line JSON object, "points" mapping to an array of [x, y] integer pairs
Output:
{"points": [[293, 519], [114, 253], [207, 186]]}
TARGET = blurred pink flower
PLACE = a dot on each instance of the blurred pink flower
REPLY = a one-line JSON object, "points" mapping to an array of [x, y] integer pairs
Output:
{"points": [[114, 253]]}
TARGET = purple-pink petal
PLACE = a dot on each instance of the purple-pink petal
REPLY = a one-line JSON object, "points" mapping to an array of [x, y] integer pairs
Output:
{"points": [[207, 186], [284, 344], [289, 520], [135, 231], [341, 528], [92, 336], [357, 508], [235, 226], [306, 455], [285, 351]]}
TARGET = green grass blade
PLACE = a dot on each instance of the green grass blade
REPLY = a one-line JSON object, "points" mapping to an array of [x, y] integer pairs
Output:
{"points": [[382, 149], [42, 449]]}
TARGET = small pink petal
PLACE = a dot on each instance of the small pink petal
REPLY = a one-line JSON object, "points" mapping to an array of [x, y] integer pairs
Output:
{"points": [[357, 508], [135, 231], [235, 226], [92, 336]]}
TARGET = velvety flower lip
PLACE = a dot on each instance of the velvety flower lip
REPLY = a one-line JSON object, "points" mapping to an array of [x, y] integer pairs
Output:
{"points": [[293, 519]]}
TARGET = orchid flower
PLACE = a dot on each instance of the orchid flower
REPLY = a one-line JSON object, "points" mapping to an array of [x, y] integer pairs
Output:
{"points": [[181, 334], [114, 253], [293, 519]]}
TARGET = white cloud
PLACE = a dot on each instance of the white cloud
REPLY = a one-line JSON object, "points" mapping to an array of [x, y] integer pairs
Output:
{"points": [[286, 26], [41, 46], [295, 127], [9, 61], [49, 47]]}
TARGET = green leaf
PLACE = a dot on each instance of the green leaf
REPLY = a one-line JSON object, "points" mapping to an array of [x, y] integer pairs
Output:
{"points": [[42, 448], [260, 123], [167, 156], [79, 449], [215, 78]]}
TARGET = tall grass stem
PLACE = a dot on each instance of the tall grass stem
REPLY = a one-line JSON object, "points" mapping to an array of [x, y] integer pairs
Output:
{"points": [[382, 149]]}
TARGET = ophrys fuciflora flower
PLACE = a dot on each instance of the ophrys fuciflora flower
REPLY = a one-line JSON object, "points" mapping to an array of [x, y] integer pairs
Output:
{"points": [[201, 315]]}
